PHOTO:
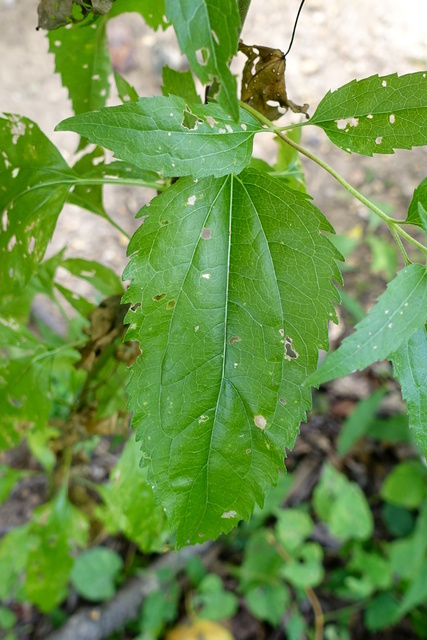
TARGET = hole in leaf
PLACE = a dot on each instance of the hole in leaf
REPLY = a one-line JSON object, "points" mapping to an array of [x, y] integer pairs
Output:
{"points": [[170, 305], [290, 353], [202, 56], [189, 120], [159, 297], [135, 306], [282, 401]]}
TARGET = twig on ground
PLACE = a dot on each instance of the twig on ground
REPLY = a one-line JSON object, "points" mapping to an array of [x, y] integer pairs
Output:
{"points": [[99, 622]]}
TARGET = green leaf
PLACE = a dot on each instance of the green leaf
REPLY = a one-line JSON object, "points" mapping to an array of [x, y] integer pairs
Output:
{"points": [[208, 36], [381, 612], [152, 12], [215, 602], [231, 282], [94, 573], [7, 618], [98, 275], [129, 503], [417, 592], [358, 423], [343, 506], [82, 59], [8, 479], [417, 212], [410, 368], [261, 564], [292, 528], [406, 485], [127, 93], [34, 183], [400, 311], [384, 256], [376, 114], [14, 550], [306, 569], [179, 83], [159, 608], [165, 134], [268, 602], [57, 526]]}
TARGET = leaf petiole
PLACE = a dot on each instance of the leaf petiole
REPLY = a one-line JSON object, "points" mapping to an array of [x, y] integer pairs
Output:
{"points": [[392, 224]]}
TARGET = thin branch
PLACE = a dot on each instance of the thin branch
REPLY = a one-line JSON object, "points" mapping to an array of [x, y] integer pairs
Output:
{"points": [[393, 225], [100, 622]]}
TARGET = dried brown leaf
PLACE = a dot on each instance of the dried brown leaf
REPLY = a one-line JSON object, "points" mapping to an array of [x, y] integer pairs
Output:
{"points": [[263, 81]]}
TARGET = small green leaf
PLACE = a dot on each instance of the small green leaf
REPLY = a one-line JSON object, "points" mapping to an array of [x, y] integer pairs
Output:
{"points": [[14, 550], [417, 212], [400, 311], [384, 256], [376, 114], [417, 592], [94, 573], [261, 564], [179, 83], [381, 612], [7, 618], [100, 276], [268, 602], [82, 59], [305, 569], [406, 485], [165, 134], [127, 93], [410, 368], [209, 38], [8, 479], [343, 506], [292, 528], [228, 323], [129, 503], [214, 601], [56, 527], [34, 183], [358, 423]]}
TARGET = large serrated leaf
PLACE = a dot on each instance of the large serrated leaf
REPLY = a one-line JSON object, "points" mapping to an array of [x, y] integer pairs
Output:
{"points": [[82, 59], [165, 134], [208, 34], [410, 368], [400, 310], [231, 292], [34, 183], [376, 114]]}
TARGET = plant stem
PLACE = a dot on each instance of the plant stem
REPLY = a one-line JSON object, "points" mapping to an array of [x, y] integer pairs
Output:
{"points": [[393, 225], [317, 609]]}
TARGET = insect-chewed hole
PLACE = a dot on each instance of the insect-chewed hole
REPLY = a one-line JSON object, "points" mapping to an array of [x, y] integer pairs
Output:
{"points": [[202, 56], [159, 297], [290, 353], [170, 305]]}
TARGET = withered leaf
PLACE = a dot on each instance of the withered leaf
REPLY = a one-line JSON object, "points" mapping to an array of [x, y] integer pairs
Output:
{"points": [[263, 81], [58, 13], [106, 324]]}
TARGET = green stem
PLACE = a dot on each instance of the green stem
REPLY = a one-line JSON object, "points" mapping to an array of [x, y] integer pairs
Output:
{"points": [[393, 225], [133, 182]]}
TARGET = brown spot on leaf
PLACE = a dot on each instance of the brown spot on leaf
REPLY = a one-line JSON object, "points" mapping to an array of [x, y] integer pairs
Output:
{"points": [[234, 339]]}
